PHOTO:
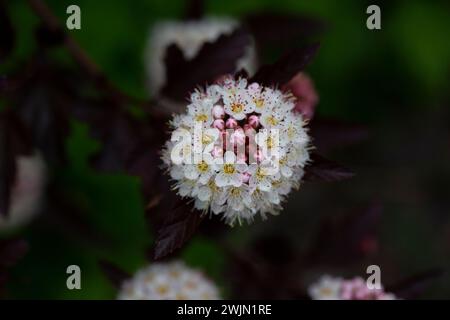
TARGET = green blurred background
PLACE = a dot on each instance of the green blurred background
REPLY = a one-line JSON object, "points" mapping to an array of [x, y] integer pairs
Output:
{"points": [[395, 80]]}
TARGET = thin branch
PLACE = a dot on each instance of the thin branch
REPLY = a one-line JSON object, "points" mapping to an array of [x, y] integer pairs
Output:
{"points": [[84, 60]]}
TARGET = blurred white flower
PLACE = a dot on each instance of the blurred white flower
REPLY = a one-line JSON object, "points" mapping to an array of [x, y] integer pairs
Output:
{"points": [[189, 36], [169, 281], [246, 169], [27, 192], [332, 288]]}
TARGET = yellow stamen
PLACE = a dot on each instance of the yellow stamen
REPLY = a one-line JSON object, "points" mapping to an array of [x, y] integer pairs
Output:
{"points": [[235, 192], [202, 166], [228, 168], [237, 107], [259, 102], [201, 117]]}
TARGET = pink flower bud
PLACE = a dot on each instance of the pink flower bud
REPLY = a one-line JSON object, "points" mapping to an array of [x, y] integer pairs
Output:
{"points": [[238, 136], [218, 112], [302, 87], [248, 130], [258, 156], [253, 120], [231, 123], [219, 124], [245, 177], [217, 152], [253, 87]]}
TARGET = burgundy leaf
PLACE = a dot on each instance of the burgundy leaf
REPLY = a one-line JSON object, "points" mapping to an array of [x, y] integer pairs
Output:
{"points": [[115, 275], [212, 61], [321, 169], [178, 227], [282, 30], [280, 72], [331, 134], [415, 285]]}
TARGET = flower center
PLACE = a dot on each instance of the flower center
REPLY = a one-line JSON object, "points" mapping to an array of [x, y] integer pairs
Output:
{"points": [[237, 107], [276, 184], [259, 103], [272, 121], [202, 166], [212, 185], [235, 192], [201, 117], [228, 168], [270, 143], [162, 289], [206, 139], [325, 291], [261, 173], [291, 132]]}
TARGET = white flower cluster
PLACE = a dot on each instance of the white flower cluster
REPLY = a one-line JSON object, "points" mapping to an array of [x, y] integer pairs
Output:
{"points": [[169, 281], [253, 147], [331, 288], [27, 192], [189, 36]]}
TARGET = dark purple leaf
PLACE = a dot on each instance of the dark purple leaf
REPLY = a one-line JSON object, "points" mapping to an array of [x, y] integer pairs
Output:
{"points": [[280, 72], [331, 134], [212, 61], [178, 226], [115, 275], [321, 169], [415, 285], [282, 30]]}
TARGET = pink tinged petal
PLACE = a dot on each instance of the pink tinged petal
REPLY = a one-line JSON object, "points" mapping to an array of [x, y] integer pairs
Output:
{"points": [[218, 112], [245, 177], [302, 87], [253, 87]]}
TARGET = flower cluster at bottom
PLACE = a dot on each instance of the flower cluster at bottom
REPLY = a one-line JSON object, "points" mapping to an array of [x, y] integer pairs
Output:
{"points": [[331, 288], [253, 149], [169, 281]]}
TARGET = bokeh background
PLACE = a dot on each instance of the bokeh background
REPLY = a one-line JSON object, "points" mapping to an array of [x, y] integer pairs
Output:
{"points": [[392, 82]]}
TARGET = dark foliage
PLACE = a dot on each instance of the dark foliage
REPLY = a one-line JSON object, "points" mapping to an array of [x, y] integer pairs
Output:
{"points": [[282, 30], [11, 251], [212, 61], [114, 274], [280, 72], [321, 169]]}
